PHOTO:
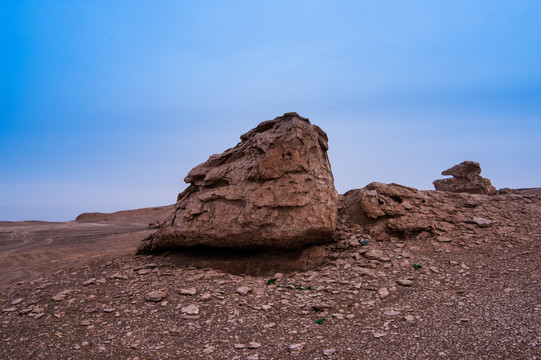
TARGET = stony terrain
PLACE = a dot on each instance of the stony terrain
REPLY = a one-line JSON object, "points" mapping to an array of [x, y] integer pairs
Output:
{"points": [[469, 291]]}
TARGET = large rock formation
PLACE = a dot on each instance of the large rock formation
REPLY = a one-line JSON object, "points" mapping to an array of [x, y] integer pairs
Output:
{"points": [[465, 179], [274, 189]]}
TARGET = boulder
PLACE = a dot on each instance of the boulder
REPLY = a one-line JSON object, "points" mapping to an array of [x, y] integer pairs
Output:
{"points": [[465, 179], [466, 169], [274, 189]]}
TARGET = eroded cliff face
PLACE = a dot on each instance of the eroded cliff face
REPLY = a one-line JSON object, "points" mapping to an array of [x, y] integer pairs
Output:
{"points": [[274, 189]]}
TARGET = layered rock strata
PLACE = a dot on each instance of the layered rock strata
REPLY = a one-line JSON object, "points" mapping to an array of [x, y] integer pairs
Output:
{"points": [[274, 189], [387, 211], [465, 179]]}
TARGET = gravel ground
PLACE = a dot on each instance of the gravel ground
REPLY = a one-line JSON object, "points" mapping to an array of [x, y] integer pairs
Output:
{"points": [[384, 300]]}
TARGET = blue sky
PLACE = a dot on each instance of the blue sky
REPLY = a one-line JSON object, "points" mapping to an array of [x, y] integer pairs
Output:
{"points": [[106, 105]]}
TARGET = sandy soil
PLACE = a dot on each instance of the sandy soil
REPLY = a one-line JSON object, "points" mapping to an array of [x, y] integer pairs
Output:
{"points": [[29, 249]]}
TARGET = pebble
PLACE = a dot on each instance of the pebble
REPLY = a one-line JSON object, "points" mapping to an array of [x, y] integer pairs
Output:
{"points": [[391, 312], [189, 291], [206, 296], [329, 352], [244, 290], [443, 239], [481, 222], [409, 318], [89, 282], [383, 292], [376, 255], [404, 282], [16, 301], [61, 295], [366, 272], [155, 296], [254, 345], [209, 350], [378, 335], [296, 347], [190, 309]]}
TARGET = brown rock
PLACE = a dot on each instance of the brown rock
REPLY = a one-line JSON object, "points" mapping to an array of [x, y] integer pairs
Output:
{"points": [[155, 296], [466, 169], [466, 179], [386, 211], [274, 189]]}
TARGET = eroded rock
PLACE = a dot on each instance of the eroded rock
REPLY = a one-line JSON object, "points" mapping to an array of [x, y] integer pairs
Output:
{"points": [[466, 179], [274, 189]]}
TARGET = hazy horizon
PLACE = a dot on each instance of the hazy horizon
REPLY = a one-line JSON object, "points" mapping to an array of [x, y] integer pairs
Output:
{"points": [[107, 106]]}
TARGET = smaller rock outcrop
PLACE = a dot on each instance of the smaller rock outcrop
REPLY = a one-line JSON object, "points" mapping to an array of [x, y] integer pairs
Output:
{"points": [[466, 179]]}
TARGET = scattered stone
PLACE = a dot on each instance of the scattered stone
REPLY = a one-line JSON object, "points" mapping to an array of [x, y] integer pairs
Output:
{"points": [[443, 239], [254, 345], [383, 292], [155, 296], [244, 290], [366, 272], [409, 318], [205, 297], [481, 222], [376, 255], [10, 309], [118, 276], [209, 350], [89, 282], [190, 309], [391, 312], [378, 335], [329, 352], [61, 295], [16, 301], [146, 266], [404, 282], [189, 291], [295, 348]]}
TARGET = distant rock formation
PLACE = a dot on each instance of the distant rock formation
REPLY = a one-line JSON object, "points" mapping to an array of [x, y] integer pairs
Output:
{"points": [[466, 179], [274, 189]]}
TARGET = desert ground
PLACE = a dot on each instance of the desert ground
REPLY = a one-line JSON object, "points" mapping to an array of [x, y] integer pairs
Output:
{"points": [[76, 290]]}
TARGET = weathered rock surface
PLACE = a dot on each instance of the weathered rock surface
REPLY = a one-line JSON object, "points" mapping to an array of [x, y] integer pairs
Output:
{"points": [[274, 189], [466, 169], [394, 211], [465, 179]]}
